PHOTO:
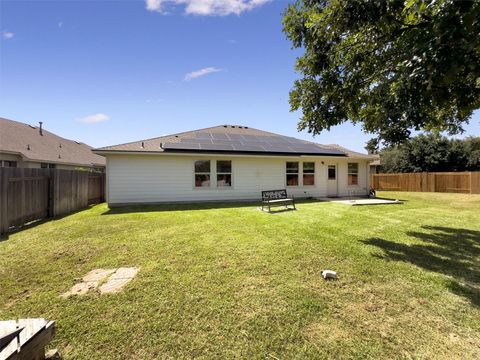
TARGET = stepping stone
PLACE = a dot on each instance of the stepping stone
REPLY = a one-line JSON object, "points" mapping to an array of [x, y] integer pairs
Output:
{"points": [[80, 289], [118, 280], [97, 275], [89, 282]]}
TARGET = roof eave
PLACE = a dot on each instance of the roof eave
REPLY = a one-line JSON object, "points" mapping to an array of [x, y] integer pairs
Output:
{"points": [[214, 152]]}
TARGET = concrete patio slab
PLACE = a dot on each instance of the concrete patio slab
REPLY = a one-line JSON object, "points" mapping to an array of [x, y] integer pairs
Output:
{"points": [[362, 201]]}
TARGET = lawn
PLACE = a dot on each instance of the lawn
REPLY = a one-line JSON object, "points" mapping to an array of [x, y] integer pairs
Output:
{"points": [[229, 281]]}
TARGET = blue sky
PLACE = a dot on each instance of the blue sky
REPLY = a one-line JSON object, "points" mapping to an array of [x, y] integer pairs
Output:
{"points": [[108, 72]]}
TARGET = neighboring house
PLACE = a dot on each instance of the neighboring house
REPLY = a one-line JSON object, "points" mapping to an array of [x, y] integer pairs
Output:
{"points": [[23, 145], [375, 165], [229, 163]]}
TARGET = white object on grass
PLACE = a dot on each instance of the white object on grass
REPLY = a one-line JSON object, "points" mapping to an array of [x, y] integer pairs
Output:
{"points": [[329, 274]]}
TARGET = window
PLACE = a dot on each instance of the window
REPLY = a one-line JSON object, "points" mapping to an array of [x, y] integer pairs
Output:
{"points": [[8, 163], [332, 172], [292, 173], [352, 174], [308, 173], [224, 173], [202, 173], [47, 166]]}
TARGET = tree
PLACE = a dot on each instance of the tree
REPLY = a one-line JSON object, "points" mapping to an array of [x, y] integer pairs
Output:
{"points": [[472, 145], [372, 146], [432, 152], [390, 65]]}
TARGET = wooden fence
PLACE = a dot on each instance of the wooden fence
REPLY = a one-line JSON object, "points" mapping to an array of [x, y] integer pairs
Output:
{"points": [[449, 182], [33, 194]]}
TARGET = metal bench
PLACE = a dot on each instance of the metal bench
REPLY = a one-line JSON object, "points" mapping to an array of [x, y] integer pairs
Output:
{"points": [[276, 198]]}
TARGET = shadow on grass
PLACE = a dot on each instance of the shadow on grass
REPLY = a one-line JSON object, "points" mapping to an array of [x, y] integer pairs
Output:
{"points": [[189, 206], [448, 251], [34, 223]]}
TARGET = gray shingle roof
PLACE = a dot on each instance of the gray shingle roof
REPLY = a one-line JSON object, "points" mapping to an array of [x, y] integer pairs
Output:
{"points": [[351, 153], [24, 139], [227, 139]]}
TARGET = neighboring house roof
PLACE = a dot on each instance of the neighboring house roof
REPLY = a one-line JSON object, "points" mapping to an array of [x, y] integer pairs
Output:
{"points": [[376, 162], [26, 140], [229, 139]]}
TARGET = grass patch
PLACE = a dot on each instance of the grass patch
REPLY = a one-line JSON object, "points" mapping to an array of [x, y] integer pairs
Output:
{"points": [[227, 280]]}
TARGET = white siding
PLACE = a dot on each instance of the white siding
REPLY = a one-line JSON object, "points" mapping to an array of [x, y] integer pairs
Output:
{"points": [[11, 157], [170, 178]]}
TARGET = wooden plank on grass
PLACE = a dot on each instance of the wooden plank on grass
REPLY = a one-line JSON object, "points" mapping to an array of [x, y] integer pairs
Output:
{"points": [[5, 328]]}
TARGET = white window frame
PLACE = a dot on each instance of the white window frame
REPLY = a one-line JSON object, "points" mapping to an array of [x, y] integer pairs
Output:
{"points": [[195, 173], [291, 173], [313, 174], [224, 173], [357, 173]]}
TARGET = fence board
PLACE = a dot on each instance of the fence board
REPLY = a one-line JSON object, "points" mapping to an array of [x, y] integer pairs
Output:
{"points": [[452, 182], [33, 194], [96, 189], [475, 183]]}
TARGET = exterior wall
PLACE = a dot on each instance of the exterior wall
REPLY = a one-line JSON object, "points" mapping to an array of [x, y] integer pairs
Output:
{"points": [[10, 157], [37, 165], [30, 164], [375, 169], [170, 178]]}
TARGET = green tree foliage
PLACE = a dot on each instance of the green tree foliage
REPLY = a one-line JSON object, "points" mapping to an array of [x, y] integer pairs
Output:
{"points": [[432, 153], [389, 65], [372, 146]]}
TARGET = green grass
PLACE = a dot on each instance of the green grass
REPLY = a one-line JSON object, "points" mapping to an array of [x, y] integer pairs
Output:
{"points": [[229, 281]]}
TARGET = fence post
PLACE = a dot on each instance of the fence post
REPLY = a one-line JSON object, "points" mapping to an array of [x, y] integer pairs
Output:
{"points": [[470, 182], [51, 188], [3, 201], [23, 204]]}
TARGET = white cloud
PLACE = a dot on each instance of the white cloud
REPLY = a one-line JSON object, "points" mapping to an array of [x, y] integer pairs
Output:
{"points": [[154, 5], [202, 72], [207, 7], [96, 118], [7, 35]]}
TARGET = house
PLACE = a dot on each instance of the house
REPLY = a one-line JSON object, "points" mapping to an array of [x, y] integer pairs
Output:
{"points": [[27, 146], [375, 165], [229, 162]]}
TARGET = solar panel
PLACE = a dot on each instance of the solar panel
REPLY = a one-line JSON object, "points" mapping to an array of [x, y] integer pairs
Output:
{"points": [[251, 138], [203, 135], [236, 137], [219, 136], [196, 141], [182, 146], [228, 142], [251, 148], [250, 143], [304, 148], [217, 147], [276, 148], [278, 141]]}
